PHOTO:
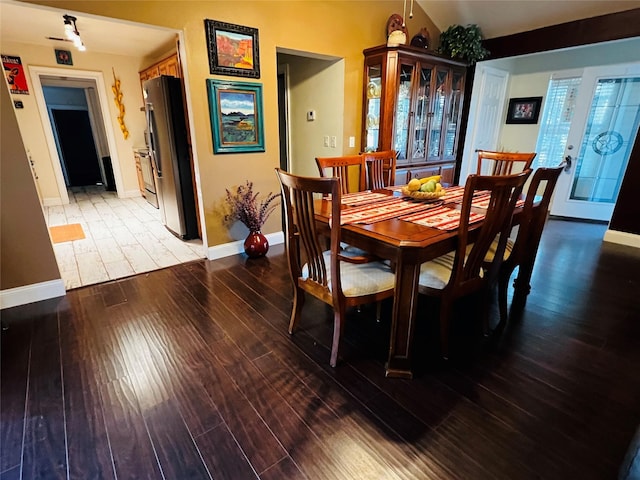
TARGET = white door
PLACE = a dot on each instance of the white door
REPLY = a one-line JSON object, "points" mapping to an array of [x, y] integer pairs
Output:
{"points": [[603, 129], [486, 110]]}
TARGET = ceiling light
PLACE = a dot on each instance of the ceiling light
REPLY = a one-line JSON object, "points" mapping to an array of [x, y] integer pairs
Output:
{"points": [[72, 33]]}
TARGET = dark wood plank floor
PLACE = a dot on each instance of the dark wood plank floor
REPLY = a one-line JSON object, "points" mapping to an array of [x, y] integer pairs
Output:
{"points": [[188, 373]]}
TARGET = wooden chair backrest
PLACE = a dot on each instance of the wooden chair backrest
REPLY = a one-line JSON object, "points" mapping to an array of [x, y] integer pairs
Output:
{"points": [[502, 163], [505, 191], [341, 167], [534, 215], [381, 169], [303, 240]]}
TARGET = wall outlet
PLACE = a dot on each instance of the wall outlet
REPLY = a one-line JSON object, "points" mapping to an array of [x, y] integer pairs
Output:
{"points": [[326, 140], [352, 142], [334, 141]]}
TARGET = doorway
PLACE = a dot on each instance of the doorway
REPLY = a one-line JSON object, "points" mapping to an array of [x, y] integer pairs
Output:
{"points": [[77, 148]]}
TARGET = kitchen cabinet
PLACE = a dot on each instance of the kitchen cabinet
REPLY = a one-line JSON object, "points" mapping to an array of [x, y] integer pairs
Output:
{"points": [[136, 155], [412, 103], [167, 66]]}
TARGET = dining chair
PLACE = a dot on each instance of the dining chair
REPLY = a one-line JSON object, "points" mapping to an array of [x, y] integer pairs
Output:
{"points": [[502, 163], [522, 252], [461, 273], [341, 167], [338, 280], [381, 169]]}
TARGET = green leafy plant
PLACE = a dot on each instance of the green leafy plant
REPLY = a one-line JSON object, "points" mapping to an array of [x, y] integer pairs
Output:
{"points": [[464, 43]]}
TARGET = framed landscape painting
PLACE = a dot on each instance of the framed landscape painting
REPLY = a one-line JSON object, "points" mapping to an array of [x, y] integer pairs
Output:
{"points": [[236, 116], [233, 49]]}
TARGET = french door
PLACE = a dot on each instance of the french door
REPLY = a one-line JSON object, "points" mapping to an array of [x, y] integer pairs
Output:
{"points": [[604, 113]]}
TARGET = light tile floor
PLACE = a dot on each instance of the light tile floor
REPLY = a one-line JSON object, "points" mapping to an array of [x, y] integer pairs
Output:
{"points": [[124, 236]]}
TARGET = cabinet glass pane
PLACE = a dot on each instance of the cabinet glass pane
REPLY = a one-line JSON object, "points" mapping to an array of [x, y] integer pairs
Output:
{"points": [[439, 97], [453, 116], [374, 90], [403, 108], [418, 149]]}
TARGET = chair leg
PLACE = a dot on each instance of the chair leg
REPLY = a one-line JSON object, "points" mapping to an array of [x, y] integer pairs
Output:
{"points": [[503, 284], [298, 302], [378, 310], [338, 328], [445, 313]]}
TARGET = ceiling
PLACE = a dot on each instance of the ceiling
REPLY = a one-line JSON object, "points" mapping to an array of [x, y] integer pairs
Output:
{"points": [[32, 24]]}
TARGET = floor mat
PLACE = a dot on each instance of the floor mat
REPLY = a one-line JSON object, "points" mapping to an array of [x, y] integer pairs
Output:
{"points": [[66, 233]]}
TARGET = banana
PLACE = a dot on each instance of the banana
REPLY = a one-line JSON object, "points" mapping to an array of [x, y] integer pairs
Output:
{"points": [[424, 180]]}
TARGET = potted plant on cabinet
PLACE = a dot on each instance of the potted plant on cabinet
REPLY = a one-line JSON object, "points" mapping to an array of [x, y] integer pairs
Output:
{"points": [[463, 43], [245, 207]]}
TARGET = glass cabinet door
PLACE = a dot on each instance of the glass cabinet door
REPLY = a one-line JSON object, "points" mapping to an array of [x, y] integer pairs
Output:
{"points": [[453, 116], [437, 112], [403, 112], [421, 115], [372, 119]]}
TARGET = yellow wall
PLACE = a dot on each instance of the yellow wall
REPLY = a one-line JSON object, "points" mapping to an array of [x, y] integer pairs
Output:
{"points": [[26, 254], [332, 28]]}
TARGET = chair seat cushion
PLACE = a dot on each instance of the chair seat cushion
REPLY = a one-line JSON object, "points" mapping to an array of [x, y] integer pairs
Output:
{"points": [[436, 273], [359, 279], [492, 250]]}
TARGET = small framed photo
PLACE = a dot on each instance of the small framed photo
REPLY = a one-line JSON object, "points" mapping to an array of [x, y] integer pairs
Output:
{"points": [[233, 49], [63, 57], [236, 116], [524, 110]]}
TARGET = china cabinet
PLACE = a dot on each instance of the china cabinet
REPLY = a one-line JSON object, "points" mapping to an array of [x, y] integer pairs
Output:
{"points": [[412, 104]]}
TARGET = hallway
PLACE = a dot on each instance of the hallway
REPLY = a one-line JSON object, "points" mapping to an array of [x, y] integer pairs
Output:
{"points": [[123, 237]]}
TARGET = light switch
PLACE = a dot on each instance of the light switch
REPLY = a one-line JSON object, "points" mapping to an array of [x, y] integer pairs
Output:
{"points": [[352, 142], [334, 141], [326, 140], [311, 115]]}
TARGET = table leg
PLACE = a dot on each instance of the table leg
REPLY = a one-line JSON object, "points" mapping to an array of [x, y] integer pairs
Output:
{"points": [[405, 304]]}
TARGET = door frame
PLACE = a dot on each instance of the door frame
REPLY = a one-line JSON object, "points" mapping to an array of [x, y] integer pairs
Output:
{"points": [[36, 72]]}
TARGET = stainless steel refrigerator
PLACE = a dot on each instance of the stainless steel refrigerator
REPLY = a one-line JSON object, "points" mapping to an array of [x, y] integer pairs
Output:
{"points": [[169, 151]]}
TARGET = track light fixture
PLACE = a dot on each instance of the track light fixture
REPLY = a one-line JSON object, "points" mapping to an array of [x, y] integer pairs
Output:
{"points": [[72, 33]]}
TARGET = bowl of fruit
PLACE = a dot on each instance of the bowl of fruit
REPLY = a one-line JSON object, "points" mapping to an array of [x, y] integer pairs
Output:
{"points": [[427, 188]]}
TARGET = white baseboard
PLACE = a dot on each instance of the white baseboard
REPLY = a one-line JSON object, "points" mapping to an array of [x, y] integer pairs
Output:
{"points": [[234, 248], [622, 238], [51, 201], [130, 194], [31, 293]]}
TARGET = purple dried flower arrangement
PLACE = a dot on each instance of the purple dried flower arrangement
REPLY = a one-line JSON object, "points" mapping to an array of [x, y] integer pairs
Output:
{"points": [[246, 208]]}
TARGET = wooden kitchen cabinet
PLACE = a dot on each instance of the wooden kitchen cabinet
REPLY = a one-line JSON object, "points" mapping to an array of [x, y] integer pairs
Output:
{"points": [[167, 66], [139, 173], [412, 103]]}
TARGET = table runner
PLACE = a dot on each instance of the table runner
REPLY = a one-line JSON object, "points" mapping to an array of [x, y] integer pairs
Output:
{"points": [[442, 218], [362, 198], [383, 210]]}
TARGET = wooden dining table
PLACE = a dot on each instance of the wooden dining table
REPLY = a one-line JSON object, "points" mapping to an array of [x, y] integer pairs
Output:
{"points": [[407, 244]]}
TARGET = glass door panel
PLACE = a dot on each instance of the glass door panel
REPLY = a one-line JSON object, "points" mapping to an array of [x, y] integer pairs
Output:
{"points": [[611, 128], [372, 120], [453, 116], [421, 117], [403, 111], [437, 112]]}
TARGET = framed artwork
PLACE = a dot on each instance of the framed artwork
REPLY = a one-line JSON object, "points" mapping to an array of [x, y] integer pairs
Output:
{"points": [[233, 49], [524, 110], [14, 74], [236, 116], [63, 57]]}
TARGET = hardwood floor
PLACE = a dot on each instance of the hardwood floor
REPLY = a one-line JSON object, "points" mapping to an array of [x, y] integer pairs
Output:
{"points": [[188, 373]]}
